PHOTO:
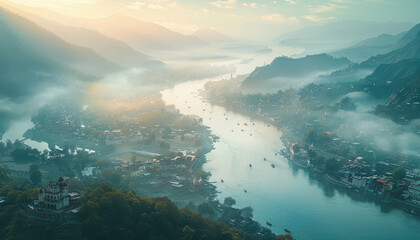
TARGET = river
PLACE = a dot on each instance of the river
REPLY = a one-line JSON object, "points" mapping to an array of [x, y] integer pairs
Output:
{"points": [[16, 131], [285, 196]]}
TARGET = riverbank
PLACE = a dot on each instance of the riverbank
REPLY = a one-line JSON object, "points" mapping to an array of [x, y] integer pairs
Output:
{"points": [[284, 188], [297, 134], [180, 180]]}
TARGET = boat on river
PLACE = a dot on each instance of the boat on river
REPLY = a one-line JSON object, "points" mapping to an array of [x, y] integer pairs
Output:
{"points": [[250, 165], [269, 224], [287, 230], [272, 165], [245, 191]]}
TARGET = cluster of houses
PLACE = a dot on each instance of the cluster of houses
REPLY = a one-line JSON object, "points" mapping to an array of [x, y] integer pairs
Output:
{"points": [[364, 177], [176, 171], [60, 118], [377, 178], [115, 137], [118, 136]]}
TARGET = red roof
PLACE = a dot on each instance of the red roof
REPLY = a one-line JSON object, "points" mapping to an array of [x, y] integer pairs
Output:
{"points": [[380, 180]]}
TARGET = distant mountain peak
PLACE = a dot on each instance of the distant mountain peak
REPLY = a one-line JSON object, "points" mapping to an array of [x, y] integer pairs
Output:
{"points": [[210, 35], [119, 18], [206, 28]]}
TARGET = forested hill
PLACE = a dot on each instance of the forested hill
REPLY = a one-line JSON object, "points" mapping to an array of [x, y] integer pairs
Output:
{"points": [[32, 38], [409, 51], [381, 44], [110, 214], [296, 67], [390, 78]]}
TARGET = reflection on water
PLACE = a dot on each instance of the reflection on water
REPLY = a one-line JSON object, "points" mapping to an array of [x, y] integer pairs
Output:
{"points": [[286, 196]]}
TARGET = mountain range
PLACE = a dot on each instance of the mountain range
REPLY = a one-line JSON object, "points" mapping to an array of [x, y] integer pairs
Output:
{"points": [[209, 35], [144, 37], [407, 47], [338, 35], [48, 45], [109, 48], [392, 77], [404, 104], [381, 44], [31, 56], [389, 78], [411, 50], [294, 68], [396, 77]]}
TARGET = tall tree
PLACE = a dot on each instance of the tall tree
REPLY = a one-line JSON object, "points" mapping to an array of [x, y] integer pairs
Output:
{"points": [[230, 201], [398, 174]]}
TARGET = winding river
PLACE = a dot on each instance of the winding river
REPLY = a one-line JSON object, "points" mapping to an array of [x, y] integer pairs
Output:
{"points": [[284, 195]]}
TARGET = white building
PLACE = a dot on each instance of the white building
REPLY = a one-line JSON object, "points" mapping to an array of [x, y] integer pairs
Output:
{"points": [[55, 196], [414, 191], [359, 182], [413, 174]]}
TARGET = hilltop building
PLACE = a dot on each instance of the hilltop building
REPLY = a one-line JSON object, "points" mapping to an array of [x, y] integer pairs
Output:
{"points": [[56, 203], [55, 196]]}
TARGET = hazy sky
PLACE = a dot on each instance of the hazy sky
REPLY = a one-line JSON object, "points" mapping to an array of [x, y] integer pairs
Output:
{"points": [[261, 18]]}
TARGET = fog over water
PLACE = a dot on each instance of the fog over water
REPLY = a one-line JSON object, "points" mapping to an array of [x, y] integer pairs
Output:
{"points": [[286, 196], [18, 114]]}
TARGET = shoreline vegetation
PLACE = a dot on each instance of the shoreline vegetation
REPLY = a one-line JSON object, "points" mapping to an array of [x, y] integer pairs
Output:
{"points": [[233, 101]]}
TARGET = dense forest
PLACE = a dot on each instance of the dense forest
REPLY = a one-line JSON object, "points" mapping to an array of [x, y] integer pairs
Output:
{"points": [[110, 214]]}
